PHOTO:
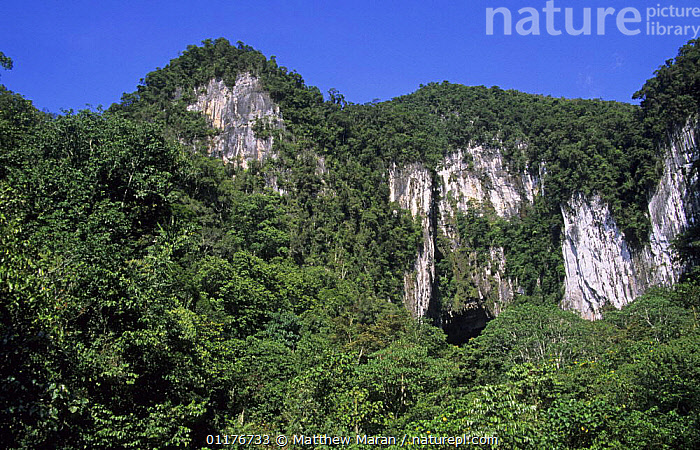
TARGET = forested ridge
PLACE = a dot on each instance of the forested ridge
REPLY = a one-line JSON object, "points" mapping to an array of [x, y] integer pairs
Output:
{"points": [[151, 296]]}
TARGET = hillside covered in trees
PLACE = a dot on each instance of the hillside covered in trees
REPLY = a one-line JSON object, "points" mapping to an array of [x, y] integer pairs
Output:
{"points": [[152, 296]]}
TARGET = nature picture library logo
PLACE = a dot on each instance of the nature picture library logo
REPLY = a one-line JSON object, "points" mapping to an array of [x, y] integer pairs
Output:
{"points": [[554, 20]]}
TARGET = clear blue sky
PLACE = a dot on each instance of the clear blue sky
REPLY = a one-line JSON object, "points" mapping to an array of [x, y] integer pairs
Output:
{"points": [[72, 53]]}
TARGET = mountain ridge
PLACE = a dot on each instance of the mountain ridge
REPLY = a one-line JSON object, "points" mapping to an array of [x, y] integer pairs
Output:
{"points": [[154, 296], [589, 149]]}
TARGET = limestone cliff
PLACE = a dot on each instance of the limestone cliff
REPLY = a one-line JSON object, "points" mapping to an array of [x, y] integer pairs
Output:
{"points": [[412, 187], [235, 112], [476, 177], [601, 268], [675, 204], [480, 174]]}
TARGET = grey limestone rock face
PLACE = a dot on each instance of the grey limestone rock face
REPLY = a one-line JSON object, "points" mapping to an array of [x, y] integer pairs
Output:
{"points": [[469, 177], [480, 175], [601, 268], [412, 188], [235, 111], [675, 204]]}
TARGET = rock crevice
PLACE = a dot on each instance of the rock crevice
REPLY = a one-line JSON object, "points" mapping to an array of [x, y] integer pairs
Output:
{"points": [[475, 177]]}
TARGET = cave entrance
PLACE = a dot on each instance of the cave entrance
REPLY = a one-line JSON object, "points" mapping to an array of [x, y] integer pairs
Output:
{"points": [[460, 327]]}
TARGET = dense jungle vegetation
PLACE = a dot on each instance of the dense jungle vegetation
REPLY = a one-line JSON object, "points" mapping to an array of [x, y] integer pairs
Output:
{"points": [[151, 296]]}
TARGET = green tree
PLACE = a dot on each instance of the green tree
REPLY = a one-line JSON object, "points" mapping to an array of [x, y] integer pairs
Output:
{"points": [[5, 62]]}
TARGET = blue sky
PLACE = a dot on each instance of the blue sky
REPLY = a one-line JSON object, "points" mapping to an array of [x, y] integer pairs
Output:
{"points": [[69, 54]]}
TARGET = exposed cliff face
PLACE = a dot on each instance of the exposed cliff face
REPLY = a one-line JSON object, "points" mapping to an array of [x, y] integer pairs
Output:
{"points": [[601, 268], [675, 204], [480, 175], [235, 112], [413, 189], [474, 177]]}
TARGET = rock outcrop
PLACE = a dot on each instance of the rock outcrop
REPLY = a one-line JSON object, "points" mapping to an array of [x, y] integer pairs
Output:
{"points": [[412, 187], [469, 178], [601, 267], [236, 111], [480, 175], [675, 204]]}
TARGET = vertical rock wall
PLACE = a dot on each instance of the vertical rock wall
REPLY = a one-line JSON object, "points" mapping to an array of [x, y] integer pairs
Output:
{"points": [[598, 262], [480, 175], [675, 204], [235, 112], [601, 268], [474, 177], [412, 188]]}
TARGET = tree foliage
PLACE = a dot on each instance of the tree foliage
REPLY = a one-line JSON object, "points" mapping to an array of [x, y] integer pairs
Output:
{"points": [[151, 296]]}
